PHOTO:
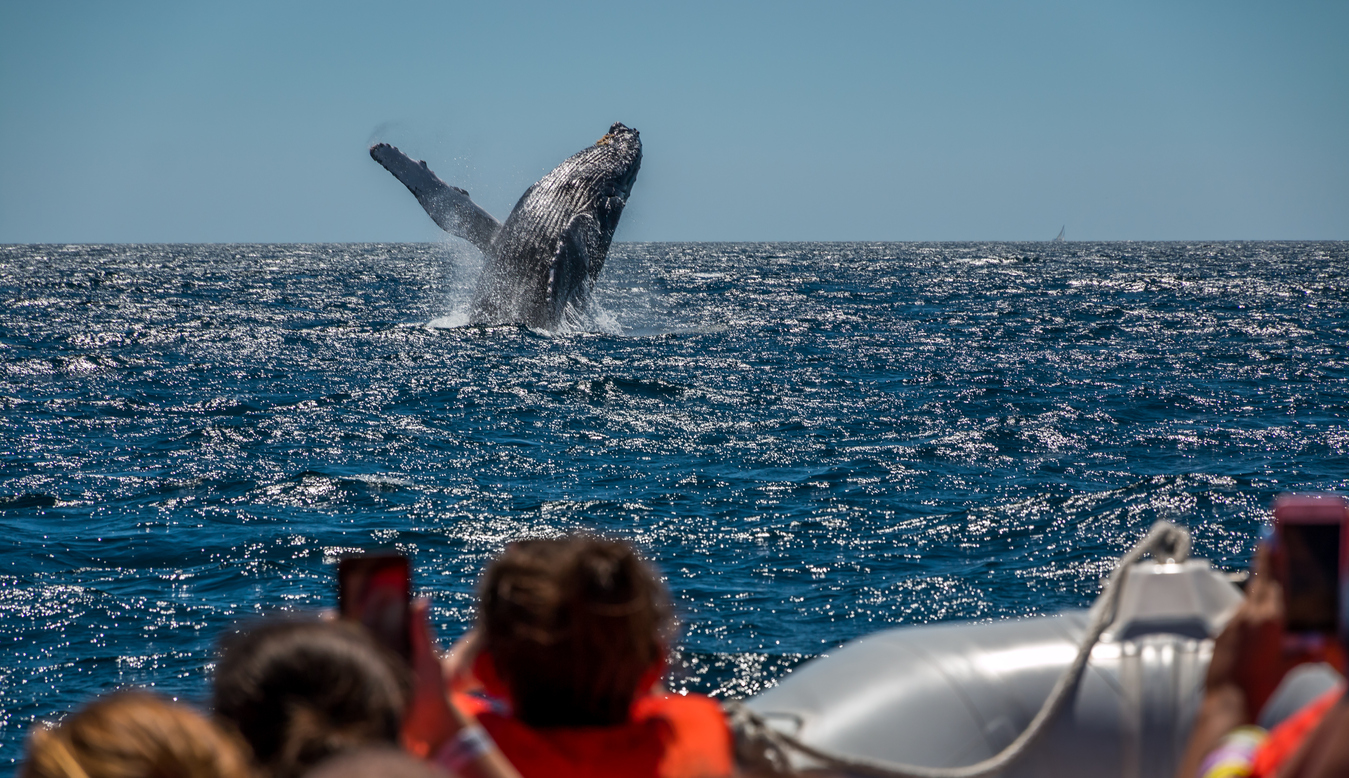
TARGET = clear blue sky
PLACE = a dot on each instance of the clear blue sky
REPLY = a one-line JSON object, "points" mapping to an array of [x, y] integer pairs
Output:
{"points": [[249, 121]]}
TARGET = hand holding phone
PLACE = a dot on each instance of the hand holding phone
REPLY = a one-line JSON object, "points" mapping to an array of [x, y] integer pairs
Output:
{"points": [[376, 590], [1311, 551]]}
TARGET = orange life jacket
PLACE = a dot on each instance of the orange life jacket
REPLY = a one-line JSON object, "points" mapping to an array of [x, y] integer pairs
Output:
{"points": [[667, 736], [1285, 739]]}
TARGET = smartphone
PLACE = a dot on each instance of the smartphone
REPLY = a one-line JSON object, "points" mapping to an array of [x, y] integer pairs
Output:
{"points": [[376, 589], [1312, 548]]}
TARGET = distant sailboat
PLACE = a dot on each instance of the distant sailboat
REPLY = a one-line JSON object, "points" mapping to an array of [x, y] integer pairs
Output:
{"points": [[1059, 239]]}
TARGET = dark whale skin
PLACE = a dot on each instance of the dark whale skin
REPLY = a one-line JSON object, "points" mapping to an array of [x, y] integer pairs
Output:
{"points": [[541, 264]]}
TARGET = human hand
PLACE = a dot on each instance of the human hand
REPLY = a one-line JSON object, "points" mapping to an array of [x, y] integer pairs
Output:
{"points": [[1253, 653], [457, 663], [433, 722], [431, 719]]}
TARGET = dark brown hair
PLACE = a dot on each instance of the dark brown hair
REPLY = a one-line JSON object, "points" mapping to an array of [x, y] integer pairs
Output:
{"points": [[300, 689], [573, 625], [134, 734]]}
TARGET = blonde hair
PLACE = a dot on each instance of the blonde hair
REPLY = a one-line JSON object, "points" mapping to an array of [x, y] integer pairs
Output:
{"points": [[134, 734]]}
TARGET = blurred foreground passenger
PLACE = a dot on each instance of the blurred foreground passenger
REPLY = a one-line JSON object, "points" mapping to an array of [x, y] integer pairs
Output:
{"points": [[569, 648], [1257, 649], [134, 734], [303, 689]]}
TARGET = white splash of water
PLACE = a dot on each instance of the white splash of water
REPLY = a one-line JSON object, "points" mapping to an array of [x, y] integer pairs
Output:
{"points": [[465, 265]]}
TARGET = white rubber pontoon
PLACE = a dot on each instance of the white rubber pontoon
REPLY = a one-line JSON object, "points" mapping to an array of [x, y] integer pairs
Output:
{"points": [[1110, 691]]}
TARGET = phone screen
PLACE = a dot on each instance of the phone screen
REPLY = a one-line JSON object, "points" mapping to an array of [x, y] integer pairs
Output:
{"points": [[1311, 588], [375, 590]]}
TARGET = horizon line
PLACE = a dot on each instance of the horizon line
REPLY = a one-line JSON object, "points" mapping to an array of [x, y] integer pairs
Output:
{"points": [[648, 242]]}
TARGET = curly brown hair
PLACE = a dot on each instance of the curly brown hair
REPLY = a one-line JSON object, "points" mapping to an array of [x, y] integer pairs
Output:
{"points": [[573, 625]]}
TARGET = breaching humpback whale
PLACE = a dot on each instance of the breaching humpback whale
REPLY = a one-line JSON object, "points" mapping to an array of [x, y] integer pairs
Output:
{"points": [[545, 258]]}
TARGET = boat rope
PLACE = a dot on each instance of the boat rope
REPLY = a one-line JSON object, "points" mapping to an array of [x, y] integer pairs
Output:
{"points": [[760, 745]]}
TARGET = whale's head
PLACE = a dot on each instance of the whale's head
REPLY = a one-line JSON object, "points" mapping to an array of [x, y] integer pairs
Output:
{"points": [[619, 155]]}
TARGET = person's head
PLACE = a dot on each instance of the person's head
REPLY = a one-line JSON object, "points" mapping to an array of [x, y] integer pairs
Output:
{"points": [[574, 626], [301, 689], [134, 734]]}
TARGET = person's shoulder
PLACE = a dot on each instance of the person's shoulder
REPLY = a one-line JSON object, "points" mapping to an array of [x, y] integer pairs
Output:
{"points": [[699, 741], [678, 705]]}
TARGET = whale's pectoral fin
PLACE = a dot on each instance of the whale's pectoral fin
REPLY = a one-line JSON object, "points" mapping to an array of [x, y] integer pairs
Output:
{"points": [[569, 276], [449, 206]]}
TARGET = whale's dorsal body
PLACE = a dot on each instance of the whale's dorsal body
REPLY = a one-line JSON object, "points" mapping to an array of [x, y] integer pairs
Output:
{"points": [[544, 259]]}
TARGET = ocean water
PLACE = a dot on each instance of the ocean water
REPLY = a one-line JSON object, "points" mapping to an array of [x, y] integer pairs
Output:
{"points": [[812, 441]]}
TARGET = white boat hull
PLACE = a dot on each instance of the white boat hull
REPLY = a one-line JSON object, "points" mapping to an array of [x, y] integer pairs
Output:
{"points": [[950, 695]]}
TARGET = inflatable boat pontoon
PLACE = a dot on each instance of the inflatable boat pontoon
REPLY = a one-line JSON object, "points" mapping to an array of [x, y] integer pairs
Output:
{"points": [[979, 699]]}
